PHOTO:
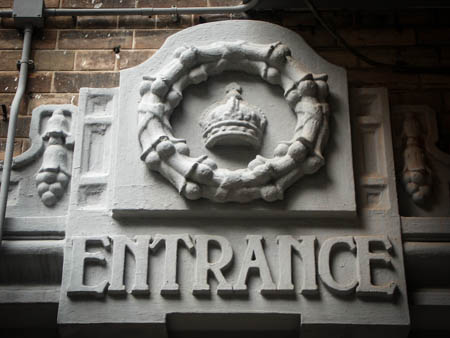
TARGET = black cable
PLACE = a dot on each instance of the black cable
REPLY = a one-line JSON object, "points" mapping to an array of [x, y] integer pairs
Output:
{"points": [[354, 51], [5, 113]]}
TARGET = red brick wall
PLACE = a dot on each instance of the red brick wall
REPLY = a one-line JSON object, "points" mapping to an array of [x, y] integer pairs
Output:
{"points": [[78, 52]]}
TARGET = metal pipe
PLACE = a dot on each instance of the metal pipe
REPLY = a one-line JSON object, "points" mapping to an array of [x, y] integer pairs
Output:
{"points": [[150, 11], [141, 11], [21, 86]]}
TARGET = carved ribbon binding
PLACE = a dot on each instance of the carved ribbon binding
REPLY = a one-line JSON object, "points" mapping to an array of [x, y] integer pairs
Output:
{"points": [[265, 178]]}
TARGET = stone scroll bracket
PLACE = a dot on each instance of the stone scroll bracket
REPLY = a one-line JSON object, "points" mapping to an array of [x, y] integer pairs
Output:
{"points": [[54, 174], [423, 170], [416, 175], [51, 146], [264, 178]]}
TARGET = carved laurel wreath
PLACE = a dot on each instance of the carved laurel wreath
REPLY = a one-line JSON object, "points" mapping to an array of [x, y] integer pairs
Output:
{"points": [[265, 178]]}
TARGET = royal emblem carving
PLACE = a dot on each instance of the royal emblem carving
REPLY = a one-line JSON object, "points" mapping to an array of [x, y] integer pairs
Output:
{"points": [[265, 178], [233, 121]]}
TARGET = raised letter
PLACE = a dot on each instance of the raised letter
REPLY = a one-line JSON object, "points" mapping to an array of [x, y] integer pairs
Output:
{"points": [[202, 264], [255, 259], [79, 257], [170, 285], [365, 257], [305, 246], [139, 250], [325, 269]]}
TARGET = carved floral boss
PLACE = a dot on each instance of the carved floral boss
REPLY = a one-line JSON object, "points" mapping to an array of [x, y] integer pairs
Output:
{"points": [[265, 178]]}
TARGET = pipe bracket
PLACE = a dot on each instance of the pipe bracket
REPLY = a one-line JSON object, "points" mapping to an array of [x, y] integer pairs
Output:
{"points": [[29, 62]]}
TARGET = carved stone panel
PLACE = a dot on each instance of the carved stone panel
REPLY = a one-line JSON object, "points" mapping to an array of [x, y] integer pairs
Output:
{"points": [[178, 144], [172, 227]]}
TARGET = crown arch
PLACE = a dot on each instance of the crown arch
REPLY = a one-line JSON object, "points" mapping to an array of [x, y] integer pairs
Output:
{"points": [[265, 178]]}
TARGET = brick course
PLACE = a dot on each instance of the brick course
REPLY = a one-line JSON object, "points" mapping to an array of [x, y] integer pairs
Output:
{"points": [[95, 39], [95, 60], [53, 59], [71, 82], [70, 53]]}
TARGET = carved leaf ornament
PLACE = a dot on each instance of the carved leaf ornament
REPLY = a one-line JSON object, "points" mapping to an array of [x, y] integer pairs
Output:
{"points": [[54, 174], [265, 178], [55, 145], [417, 176]]}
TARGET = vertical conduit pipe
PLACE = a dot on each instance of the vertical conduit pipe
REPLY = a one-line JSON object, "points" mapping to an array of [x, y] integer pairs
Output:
{"points": [[21, 86]]}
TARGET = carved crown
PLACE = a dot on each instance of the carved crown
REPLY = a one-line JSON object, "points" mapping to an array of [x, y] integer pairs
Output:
{"points": [[233, 121]]}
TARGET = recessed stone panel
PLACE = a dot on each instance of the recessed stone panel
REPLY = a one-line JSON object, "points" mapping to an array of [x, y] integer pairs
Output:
{"points": [[289, 188]]}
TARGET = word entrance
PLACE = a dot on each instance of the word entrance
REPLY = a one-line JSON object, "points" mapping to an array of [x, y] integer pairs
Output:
{"points": [[314, 261]]}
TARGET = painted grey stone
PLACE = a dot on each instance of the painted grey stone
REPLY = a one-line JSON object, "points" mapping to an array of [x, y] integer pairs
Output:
{"points": [[33, 236], [232, 122], [135, 265], [423, 168], [147, 272], [41, 175], [332, 185]]}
